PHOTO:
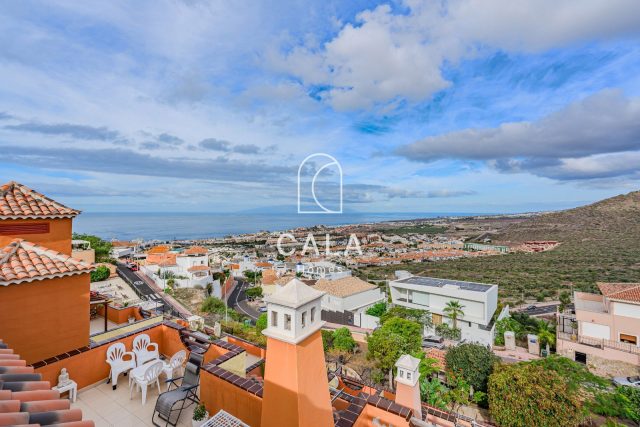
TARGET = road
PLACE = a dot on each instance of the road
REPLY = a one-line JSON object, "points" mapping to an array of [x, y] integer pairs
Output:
{"points": [[141, 288], [238, 301]]}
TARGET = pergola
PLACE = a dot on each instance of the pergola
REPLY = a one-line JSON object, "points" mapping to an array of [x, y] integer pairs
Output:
{"points": [[97, 299]]}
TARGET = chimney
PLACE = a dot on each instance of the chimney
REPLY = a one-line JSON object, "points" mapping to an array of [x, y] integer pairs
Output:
{"points": [[407, 387], [296, 389]]}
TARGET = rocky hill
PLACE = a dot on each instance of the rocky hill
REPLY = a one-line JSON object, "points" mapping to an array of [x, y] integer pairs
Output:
{"points": [[599, 242]]}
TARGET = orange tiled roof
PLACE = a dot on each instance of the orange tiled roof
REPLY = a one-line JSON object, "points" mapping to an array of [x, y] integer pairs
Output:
{"points": [[25, 399], [263, 264], [199, 268], [438, 355], [22, 261], [18, 201], [160, 249], [621, 291], [196, 250], [269, 277]]}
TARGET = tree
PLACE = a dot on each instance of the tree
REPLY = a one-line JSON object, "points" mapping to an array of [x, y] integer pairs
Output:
{"points": [[525, 394], [394, 338], [377, 309], [473, 362], [101, 273], [261, 323], [342, 340], [102, 248], [422, 317], [507, 324], [565, 300], [280, 257], [255, 292], [327, 340], [454, 310], [546, 334], [171, 282]]}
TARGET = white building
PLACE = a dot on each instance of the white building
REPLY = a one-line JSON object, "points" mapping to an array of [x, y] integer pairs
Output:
{"points": [[479, 302], [190, 269], [322, 270], [352, 295]]}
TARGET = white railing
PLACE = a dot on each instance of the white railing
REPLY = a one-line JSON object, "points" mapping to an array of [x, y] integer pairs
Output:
{"points": [[600, 343]]}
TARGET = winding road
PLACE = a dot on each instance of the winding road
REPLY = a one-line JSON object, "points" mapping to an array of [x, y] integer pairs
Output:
{"points": [[238, 301]]}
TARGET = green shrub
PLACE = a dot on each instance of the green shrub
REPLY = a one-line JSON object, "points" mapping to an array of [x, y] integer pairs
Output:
{"points": [[261, 323], [342, 340], [378, 309], [446, 331], [474, 362], [327, 340], [101, 273], [255, 292]]}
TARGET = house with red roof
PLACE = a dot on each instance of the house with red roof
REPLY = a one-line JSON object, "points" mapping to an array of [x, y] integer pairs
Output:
{"points": [[605, 330]]}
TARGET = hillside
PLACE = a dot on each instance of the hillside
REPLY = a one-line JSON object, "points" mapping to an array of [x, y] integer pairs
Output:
{"points": [[600, 242]]}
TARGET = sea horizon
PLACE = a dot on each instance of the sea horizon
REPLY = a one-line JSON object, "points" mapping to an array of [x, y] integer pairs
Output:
{"points": [[200, 225]]}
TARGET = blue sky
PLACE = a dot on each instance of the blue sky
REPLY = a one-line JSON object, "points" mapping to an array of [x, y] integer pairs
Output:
{"points": [[459, 106]]}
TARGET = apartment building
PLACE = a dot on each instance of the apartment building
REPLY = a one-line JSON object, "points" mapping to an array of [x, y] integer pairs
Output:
{"points": [[346, 301], [605, 330], [479, 302]]}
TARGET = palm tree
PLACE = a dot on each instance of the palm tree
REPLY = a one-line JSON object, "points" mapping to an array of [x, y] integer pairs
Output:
{"points": [[453, 310], [546, 334]]}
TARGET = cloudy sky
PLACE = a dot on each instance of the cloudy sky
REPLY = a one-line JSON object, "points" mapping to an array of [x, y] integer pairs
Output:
{"points": [[429, 106]]}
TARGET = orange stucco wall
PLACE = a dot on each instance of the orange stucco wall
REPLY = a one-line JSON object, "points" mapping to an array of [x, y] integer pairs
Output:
{"points": [[120, 315], [58, 238], [296, 390], [90, 367], [45, 318], [218, 394], [371, 413], [250, 348]]}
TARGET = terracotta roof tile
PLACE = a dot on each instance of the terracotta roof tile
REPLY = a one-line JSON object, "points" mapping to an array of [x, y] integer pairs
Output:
{"points": [[22, 261], [27, 400], [343, 287], [196, 250], [18, 201], [621, 291], [199, 268]]}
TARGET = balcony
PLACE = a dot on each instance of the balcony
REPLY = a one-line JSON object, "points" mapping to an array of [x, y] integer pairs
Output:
{"points": [[600, 343], [589, 302]]}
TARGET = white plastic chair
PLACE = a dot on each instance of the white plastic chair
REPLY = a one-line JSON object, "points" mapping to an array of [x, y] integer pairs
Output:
{"points": [[175, 363], [144, 349], [119, 365], [150, 375]]}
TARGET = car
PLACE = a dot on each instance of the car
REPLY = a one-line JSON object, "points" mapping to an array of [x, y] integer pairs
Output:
{"points": [[138, 282], [263, 309], [531, 307], [433, 341], [628, 381]]}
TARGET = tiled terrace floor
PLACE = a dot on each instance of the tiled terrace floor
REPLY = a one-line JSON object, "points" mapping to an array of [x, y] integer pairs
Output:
{"points": [[97, 325], [109, 408]]}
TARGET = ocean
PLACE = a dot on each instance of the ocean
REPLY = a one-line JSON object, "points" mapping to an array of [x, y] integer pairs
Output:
{"points": [[178, 226]]}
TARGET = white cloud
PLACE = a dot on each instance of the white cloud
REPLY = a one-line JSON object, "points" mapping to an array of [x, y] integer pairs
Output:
{"points": [[388, 56]]}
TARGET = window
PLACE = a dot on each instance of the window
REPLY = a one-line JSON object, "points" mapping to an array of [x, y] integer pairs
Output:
{"points": [[581, 357], [631, 339], [313, 314], [409, 375], [287, 322], [274, 319], [401, 373], [304, 319]]}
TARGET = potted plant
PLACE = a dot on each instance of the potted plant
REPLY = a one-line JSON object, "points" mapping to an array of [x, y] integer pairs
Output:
{"points": [[200, 415]]}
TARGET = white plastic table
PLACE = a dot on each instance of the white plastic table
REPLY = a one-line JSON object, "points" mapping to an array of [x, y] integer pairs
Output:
{"points": [[71, 387]]}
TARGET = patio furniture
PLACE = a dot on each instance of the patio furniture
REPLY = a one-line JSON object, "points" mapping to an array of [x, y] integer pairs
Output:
{"points": [[119, 365], [175, 363], [71, 387], [144, 375], [144, 349], [170, 404]]}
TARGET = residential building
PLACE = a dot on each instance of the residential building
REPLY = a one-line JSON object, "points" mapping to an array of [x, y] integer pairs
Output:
{"points": [[479, 302], [346, 301], [605, 330], [188, 269]]}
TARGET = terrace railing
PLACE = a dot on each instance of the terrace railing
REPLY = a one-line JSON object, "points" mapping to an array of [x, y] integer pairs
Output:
{"points": [[601, 343]]}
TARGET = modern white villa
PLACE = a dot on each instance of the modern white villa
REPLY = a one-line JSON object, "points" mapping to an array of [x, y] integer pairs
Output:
{"points": [[479, 302]]}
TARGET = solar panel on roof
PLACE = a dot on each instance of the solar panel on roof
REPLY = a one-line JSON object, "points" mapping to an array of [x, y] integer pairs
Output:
{"points": [[439, 283]]}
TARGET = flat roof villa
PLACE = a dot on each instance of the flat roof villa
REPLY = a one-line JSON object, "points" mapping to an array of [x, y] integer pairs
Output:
{"points": [[47, 350], [479, 301]]}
